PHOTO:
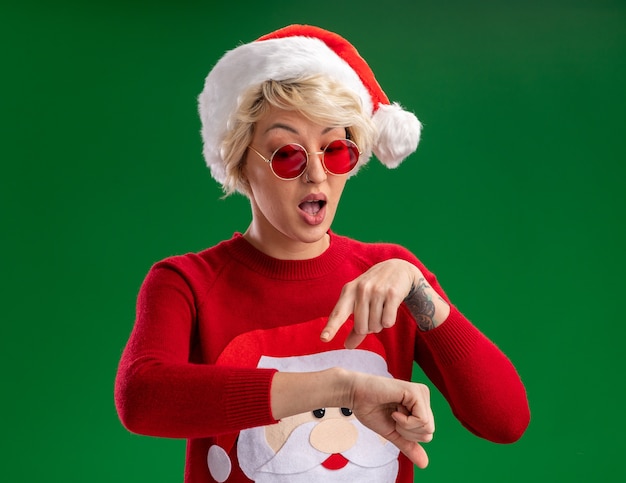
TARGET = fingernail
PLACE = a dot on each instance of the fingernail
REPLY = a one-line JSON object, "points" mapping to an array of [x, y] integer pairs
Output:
{"points": [[325, 335]]}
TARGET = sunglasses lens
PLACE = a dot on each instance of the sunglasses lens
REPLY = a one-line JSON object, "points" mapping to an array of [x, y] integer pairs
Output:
{"points": [[341, 156], [289, 161]]}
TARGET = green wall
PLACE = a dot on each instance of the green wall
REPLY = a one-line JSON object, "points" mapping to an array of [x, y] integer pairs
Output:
{"points": [[515, 198]]}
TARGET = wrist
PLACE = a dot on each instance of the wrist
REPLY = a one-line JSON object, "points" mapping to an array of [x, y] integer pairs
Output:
{"points": [[427, 307], [342, 387]]}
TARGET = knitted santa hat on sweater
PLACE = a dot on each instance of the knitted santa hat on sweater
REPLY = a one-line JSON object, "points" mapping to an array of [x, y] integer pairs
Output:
{"points": [[290, 52]]}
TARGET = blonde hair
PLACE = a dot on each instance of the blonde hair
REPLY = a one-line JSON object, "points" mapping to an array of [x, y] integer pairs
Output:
{"points": [[318, 98]]}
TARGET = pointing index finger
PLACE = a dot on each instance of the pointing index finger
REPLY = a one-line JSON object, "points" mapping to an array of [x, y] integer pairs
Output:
{"points": [[333, 325], [353, 340], [338, 317]]}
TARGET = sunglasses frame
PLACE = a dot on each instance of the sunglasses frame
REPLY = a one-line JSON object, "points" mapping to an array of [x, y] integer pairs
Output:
{"points": [[319, 153]]}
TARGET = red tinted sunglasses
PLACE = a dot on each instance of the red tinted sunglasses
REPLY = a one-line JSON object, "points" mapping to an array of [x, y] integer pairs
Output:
{"points": [[290, 161]]}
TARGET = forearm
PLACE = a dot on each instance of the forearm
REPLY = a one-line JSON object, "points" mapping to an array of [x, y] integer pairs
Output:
{"points": [[296, 393], [481, 384], [478, 380], [180, 400], [427, 307]]}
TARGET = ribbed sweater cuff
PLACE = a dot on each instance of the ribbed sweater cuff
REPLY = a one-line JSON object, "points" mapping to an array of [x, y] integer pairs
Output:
{"points": [[453, 340], [244, 391]]}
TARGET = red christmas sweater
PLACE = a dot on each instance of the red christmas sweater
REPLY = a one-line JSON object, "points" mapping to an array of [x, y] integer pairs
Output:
{"points": [[191, 307]]}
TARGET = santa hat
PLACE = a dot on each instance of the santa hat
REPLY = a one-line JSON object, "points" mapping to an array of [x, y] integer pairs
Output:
{"points": [[291, 52]]}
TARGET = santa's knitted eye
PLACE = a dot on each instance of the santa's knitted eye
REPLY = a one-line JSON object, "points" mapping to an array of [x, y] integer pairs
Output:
{"points": [[319, 413], [346, 412]]}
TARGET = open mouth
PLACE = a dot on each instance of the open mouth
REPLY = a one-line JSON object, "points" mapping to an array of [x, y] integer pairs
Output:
{"points": [[312, 207]]}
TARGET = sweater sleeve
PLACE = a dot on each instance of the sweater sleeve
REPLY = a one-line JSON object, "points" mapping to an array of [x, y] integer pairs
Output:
{"points": [[479, 382], [159, 391]]}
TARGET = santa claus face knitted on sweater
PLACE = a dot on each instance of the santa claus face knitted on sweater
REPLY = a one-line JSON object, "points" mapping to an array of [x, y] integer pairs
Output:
{"points": [[327, 444]]}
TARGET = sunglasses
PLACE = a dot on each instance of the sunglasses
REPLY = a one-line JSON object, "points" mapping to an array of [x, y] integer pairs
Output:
{"points": [[291, 160]]}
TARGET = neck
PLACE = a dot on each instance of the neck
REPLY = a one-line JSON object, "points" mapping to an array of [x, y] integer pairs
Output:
{"points": [[283, 248]]}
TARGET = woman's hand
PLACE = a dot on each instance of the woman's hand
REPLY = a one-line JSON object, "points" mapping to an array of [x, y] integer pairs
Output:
{"points": [[374, 298], [397, 410]]}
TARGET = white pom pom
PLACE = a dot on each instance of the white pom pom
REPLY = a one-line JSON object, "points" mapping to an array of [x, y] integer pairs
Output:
{"points": [[399, 134], [219, 463]]}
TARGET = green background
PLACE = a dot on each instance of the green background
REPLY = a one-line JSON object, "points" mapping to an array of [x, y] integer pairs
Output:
{"points": [[515, 198]]}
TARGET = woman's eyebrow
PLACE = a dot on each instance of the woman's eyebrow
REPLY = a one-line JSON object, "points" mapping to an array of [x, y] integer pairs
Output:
{"points": [[286, 127], [279, 125]]}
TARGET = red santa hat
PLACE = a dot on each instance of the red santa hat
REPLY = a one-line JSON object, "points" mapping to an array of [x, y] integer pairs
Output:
{"points": [[291, 52]]}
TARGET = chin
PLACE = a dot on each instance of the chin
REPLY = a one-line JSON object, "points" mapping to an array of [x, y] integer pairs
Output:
{"points": [[315, 234]]}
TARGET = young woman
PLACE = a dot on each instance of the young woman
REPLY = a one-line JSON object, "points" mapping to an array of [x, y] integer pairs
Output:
{"points": [[286, 352]]}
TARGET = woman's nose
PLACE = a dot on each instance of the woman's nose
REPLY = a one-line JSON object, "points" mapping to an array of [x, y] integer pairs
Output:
{"points": [[315, 170]]}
